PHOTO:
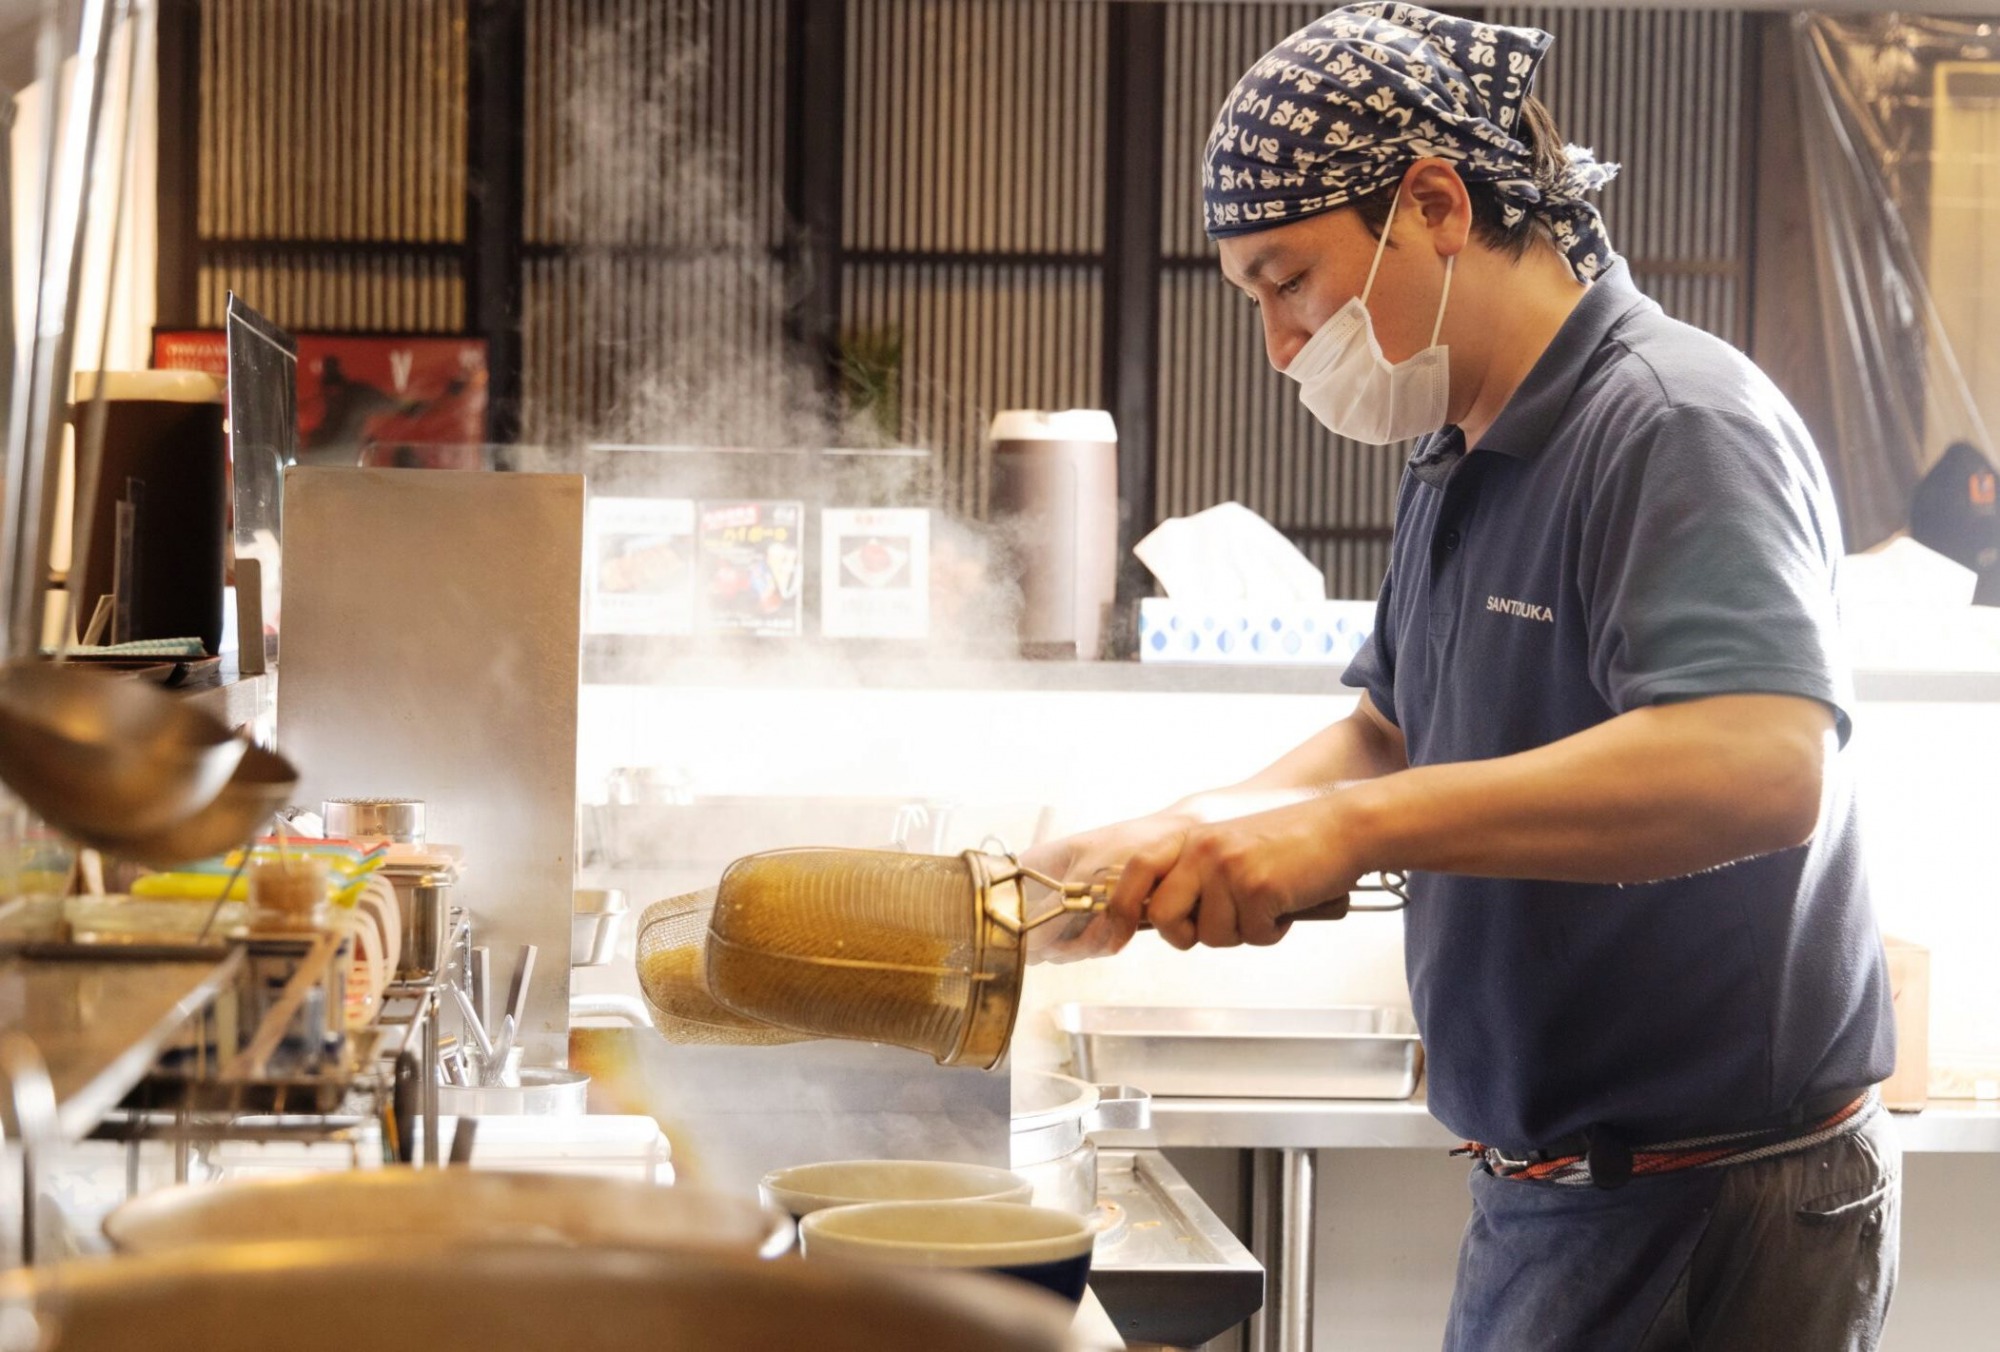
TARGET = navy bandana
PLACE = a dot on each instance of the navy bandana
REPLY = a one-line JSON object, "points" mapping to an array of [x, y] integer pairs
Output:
{"points": [[1344, 106]]}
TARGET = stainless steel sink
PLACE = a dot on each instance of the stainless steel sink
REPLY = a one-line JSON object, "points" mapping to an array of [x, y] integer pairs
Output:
{"points": [[1339, 1051]]}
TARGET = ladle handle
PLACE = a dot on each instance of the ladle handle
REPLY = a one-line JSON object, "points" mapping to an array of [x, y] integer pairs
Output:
{"points": [[1338, 908], [1078, 898], [1327, 910]]}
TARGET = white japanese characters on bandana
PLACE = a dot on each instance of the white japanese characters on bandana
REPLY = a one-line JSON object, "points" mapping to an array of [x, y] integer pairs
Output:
{"points": [[1341, 108]]}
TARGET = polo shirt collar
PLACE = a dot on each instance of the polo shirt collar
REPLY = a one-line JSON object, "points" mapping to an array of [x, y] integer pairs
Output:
{"points": [[1529, 419], [1526, 423]]}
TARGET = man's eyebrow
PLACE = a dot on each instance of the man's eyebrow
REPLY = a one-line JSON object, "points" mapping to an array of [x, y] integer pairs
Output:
{"points": [[1253, 271]]}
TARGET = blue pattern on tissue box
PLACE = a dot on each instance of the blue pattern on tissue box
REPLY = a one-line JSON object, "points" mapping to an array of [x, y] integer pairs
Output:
{"points": [[1321, 633]]}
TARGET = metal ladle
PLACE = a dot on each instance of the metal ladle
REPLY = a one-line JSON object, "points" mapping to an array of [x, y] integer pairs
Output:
{"points": [[109, 760], [263, 783]]}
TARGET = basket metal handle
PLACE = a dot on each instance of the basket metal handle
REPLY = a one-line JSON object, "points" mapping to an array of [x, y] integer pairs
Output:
{"points": [[1079, 898]]}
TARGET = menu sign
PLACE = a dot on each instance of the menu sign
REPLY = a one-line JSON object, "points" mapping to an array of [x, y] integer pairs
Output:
{"points": [[752, 568], [875, 572], [641, 564]]}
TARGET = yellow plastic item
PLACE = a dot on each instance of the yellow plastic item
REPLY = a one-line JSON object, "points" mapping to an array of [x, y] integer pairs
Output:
{"points": [[208, 887], [190, 887]]}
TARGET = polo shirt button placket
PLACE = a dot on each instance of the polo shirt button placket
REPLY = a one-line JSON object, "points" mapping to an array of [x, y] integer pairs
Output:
{"points": [[1446, 583]]}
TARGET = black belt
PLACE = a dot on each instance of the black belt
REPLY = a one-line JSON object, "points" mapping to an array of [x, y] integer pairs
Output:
{"points": [[1609, 1155]]}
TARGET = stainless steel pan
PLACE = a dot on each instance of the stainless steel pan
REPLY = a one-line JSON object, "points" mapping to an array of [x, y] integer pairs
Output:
{"points": [[322, 1297]]}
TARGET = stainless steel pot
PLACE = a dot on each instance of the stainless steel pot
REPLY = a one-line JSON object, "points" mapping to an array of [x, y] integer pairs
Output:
{"points": [[544, 1091], [1049, 1141], [594, 917], [326, 1297]]}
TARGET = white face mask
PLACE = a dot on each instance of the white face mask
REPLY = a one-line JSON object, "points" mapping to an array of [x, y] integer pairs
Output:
{"points": [[1357, 392]]}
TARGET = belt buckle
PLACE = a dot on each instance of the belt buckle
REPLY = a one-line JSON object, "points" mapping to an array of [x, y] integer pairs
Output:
{"points": [[1498, 1158]]}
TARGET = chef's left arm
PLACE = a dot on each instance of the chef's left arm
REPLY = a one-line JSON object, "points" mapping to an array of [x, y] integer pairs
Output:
{"points": [[1659, 792]]}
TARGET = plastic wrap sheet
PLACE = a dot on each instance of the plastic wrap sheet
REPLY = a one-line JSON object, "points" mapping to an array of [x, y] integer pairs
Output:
{"points": [[1901, 126]]}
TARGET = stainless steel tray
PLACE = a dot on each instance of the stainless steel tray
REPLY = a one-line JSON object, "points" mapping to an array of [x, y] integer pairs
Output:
{"points": [[1168, 1270], [1340, 1051]]}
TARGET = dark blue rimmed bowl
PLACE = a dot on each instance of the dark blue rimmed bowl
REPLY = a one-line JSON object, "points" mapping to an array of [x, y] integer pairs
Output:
{"points": [[1046, 1247]]}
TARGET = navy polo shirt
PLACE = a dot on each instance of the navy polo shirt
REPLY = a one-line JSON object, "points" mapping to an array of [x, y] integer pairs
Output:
{"points": [[1648, 520]]}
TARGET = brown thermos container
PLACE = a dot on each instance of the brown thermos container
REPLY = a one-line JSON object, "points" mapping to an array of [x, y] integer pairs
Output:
{"points": [[1055, 495], [158, 517]]}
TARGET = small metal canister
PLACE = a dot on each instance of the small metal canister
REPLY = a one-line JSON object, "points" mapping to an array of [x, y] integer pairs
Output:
{"points": [[425, 901], [398, 819]]}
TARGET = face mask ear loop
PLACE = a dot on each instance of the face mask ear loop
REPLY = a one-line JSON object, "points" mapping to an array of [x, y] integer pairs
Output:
{"points": [[1380, 245], [1438, 328]]}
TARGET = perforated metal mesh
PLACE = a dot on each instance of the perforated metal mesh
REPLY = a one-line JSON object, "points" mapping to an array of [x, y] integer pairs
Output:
{"points": [[872, 945], [672, 955]]}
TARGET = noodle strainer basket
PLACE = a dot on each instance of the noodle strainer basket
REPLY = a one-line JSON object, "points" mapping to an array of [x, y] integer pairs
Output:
{"points": [[921, 951], [672, 960]]}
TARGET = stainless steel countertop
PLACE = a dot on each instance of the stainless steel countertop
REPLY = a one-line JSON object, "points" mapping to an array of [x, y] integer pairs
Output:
{"points": [[1167, 1267], [100, 1024], [1093, 1330], [1946, 1127]]}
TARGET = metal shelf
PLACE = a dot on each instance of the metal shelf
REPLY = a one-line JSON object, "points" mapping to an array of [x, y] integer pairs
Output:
{"points": [[804, 664], [101, 1023], [334, 1105], [1944, 1127], [1928, 687]]}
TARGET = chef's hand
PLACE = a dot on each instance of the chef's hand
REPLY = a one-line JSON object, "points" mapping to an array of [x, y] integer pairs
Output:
{"points": [[1080, 858], [1236, 881]]}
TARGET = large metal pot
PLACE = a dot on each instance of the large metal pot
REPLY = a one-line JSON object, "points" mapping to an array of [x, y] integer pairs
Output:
{"points": [[426, 1206], [321, 1297], [1049, 1141]]}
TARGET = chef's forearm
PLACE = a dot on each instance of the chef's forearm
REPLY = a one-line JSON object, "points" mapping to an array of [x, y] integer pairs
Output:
{"points": [[1364, 745], [1361, 746], [1656, 793]]}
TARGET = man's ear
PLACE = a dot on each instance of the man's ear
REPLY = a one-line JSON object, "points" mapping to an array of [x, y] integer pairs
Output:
{"points": [[1439, 194]]}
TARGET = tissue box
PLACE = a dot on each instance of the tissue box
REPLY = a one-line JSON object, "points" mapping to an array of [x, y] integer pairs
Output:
{"points": [[1320, 633]]}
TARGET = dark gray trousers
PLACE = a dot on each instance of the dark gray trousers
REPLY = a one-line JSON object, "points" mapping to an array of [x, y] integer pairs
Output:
{"points": [[1792, 1254], [1798, 1253]]}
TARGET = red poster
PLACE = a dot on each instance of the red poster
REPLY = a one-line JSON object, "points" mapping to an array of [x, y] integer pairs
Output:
{"points": [[202, 350], [361, 393], [378, 401]]}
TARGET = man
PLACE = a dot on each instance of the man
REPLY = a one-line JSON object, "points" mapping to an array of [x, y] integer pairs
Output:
{"points": [[1600, 720]]}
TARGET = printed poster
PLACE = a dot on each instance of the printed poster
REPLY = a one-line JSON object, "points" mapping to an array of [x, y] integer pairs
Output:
{"points": [[875, 572], [641, 565], [752, 568]]}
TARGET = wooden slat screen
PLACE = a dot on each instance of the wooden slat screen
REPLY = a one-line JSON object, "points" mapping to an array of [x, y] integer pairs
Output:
{"points": [[341, 126]]}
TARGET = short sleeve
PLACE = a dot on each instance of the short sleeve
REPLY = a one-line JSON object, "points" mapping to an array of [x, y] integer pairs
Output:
{"points": [[1707, 565], [1373, 668]]}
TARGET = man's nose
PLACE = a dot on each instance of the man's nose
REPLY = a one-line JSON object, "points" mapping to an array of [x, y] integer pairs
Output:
{"points": [[1282, 338]]}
